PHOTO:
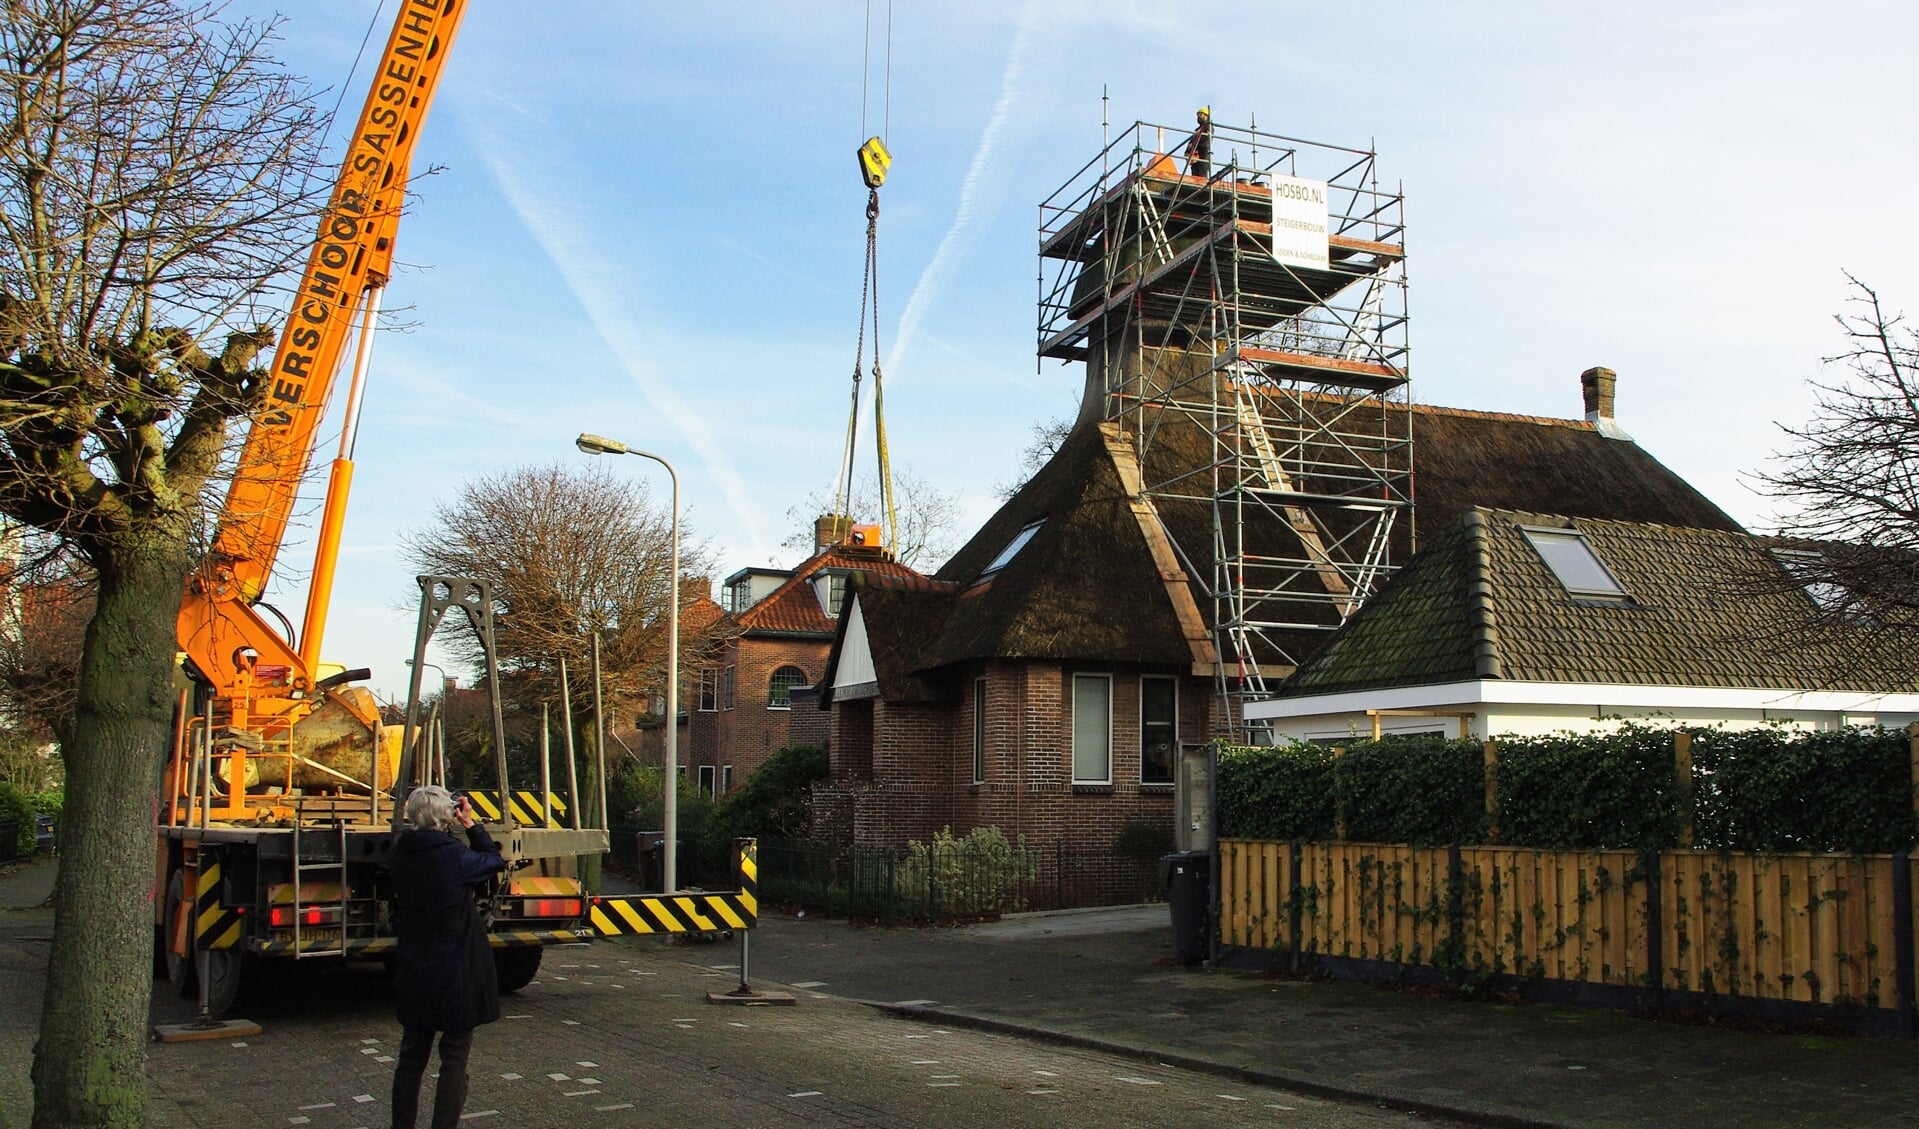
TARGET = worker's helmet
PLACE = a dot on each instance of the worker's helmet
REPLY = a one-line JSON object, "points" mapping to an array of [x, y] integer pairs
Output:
{"points": [[1205, 112]]}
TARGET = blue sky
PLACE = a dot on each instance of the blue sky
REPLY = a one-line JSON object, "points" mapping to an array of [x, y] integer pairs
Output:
{"points": [[647, 223]]}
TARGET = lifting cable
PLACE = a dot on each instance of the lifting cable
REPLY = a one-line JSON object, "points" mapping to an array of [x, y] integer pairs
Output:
{"points": [[874, 161]]}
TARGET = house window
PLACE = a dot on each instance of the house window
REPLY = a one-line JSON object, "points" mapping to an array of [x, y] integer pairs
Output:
{"points": [[1810, 571], [1574, 563], [726, 779], [726, 688], [1158, 728], [706, 780], [780, 687], [709, 690], [979, 731], [1011, 550], [830, 587], [1092, 729], [739, 597]]}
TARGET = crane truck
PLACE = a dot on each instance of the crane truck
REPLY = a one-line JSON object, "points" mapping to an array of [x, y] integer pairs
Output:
{"points": [[279, 797]]}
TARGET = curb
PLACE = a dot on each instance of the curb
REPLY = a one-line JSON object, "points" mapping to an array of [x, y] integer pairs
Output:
{"points": [[1253, 1075]]}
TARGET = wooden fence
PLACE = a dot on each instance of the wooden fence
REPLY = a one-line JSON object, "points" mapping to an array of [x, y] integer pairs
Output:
{"points": [[1707, 929]]}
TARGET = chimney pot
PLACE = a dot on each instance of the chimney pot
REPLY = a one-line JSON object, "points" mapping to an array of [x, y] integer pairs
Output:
{"points": [[1597, 386]]}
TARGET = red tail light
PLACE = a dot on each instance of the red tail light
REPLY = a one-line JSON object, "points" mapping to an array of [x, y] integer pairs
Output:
{"points": [[550, 907], [281, 917]]}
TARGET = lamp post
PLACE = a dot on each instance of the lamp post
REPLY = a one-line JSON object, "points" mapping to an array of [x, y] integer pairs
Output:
{"points": [[601, 445]]}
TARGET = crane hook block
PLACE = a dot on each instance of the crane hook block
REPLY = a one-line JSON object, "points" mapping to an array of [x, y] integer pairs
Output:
{"points": [[874, 161]]}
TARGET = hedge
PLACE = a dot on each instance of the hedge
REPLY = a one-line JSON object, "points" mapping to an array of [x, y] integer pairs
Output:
{"points": [[1750, 790]]}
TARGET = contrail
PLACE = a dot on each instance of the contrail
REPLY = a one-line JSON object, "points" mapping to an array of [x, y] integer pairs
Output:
{"points": [[961, 236], [598, 285]]}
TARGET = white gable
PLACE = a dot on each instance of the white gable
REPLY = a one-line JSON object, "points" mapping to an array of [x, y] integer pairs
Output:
{"points": [[854, 672]]}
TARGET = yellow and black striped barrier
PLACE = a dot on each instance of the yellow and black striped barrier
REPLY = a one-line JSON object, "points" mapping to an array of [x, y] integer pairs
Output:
{"points": [[215, 926], [640, 914], [525, 807]]}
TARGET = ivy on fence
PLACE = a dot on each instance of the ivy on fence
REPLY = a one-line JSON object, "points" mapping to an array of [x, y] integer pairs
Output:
{"points": [[1590, 791], [1419, 790]]}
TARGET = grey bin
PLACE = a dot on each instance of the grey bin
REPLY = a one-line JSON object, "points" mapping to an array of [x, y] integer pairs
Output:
{"points": [[1186, 879], [651, 850]]}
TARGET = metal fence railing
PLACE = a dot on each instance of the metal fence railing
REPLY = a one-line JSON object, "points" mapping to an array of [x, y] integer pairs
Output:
{"points": [[946, 880]]}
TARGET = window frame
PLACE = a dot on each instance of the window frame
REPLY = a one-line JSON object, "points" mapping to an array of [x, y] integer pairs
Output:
{"points": [[709, 777], [709, 700], [1538, 535], [784, 701], [1012, 548], [1105, 754], [979, 730], [727, 688], [1171, 725]]}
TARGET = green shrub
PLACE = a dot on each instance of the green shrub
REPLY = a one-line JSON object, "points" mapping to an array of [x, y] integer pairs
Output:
{"points": [[1423, 790], [983, 872], [1589, 792], [15, 804], [1774, 790], [776, 800], [1283, 792]]}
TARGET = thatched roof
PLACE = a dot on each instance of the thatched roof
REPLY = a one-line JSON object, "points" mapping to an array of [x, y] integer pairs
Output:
{"points": [[1087, 587]]}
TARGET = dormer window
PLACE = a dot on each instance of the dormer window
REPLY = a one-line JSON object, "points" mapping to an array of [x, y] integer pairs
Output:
{"points": [[1809, 570], [1012, 549], [1575, 565], [830, 587]]}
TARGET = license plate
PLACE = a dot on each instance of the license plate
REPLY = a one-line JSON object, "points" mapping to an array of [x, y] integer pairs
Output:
{"points": [[315, 936]]}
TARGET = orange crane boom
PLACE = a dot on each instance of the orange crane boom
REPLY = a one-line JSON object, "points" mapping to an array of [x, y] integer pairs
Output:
{"points": [[241, 655]]}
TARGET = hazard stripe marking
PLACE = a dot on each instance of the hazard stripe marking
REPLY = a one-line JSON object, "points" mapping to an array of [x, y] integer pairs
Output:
{"points": [[215, 926], [674, 913]]}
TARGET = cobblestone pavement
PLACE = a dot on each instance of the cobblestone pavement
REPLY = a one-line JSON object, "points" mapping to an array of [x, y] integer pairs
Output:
{"points": [[620, 1034]]}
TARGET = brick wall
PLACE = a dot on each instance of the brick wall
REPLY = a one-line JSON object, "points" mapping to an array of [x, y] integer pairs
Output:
{"points": [[750, 732], [921, 758]]}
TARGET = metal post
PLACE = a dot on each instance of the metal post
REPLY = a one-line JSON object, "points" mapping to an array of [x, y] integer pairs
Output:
{"points": [[546, 770], [599, 729], [566, 733]]}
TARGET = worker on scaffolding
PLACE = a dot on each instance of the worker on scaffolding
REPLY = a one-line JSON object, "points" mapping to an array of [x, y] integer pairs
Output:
{"points": [[1199, 147]]}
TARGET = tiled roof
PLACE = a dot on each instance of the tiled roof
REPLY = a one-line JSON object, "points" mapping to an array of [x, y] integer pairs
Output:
{"points": [[794, 609], [1706, 609]]}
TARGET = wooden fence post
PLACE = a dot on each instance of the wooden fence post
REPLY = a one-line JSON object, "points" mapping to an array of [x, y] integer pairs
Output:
{"points": [[1902, 956], [1912, 753], [1339, 808], [1491, 751], [1655, 929], [1297, 907], [1682, 784]]}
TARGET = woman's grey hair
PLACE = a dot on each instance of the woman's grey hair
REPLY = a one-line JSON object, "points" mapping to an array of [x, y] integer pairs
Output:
{"points": [[430, 808]]}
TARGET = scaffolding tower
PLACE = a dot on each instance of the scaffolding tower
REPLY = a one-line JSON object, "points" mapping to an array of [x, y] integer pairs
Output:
{"points": [[1243, 322]]}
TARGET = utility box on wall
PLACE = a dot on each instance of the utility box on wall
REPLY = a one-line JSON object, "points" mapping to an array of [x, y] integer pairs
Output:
{"points": [[1193, 799]]}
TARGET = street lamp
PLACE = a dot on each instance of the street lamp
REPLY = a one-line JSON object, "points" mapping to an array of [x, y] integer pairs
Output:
{"points": [[601, 445], [434, 667]]}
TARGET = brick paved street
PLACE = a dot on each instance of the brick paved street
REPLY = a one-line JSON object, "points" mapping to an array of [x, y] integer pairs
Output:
{"points": [[620, 1034]]}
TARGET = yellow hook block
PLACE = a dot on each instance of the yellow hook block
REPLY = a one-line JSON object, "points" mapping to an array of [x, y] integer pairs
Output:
{"points": [[874, 161]]}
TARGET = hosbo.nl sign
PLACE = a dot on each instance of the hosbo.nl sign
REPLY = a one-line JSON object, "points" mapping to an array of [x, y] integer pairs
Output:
{"points": [[1299, 222]]}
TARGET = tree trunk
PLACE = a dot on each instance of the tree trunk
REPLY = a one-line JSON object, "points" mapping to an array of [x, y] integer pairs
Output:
{"points": [[89, 1064]]}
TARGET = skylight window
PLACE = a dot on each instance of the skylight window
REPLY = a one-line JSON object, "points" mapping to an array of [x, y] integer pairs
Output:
{"points": [[1012, 549], [1809, 569], [1574, 563]]}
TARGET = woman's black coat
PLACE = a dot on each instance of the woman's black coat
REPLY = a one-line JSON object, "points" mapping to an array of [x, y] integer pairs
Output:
{"points": [[444, 969]]}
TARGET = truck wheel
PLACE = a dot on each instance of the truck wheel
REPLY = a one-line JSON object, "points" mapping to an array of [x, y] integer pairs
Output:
{"points": [[179, 968], [516, 967], [225, 972]]}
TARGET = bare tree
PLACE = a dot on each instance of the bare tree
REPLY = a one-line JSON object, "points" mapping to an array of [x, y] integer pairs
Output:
{"points": [[1048, 438], [928, 518], [43, 621], [152, 167], [571, 550], [1850, 481]]}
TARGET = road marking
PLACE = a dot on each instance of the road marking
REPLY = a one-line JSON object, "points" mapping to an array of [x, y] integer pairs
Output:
{"points": [[611, 1108], [941, 1085], [369, 1040], [1271, 1105], [735, 1023], [913, 1003], [369, 1050], [589, 1081], [1230, 1097], [560, 1077], [241, 1043], [807, 1094], [299, 1121], [479, 1114], [1042, 1091], [316, 1105], [1046, 1074], [521, 1016], [571, 1022], [363, 1097], [588, 1065], [511, 1077], [926, 1062], [809, 984], [1136, 1081], [580, 1093], [385, 1058], [947, 1076]]}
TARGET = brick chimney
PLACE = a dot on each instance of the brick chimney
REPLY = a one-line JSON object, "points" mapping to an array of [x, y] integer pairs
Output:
{"points": [[1596, 386]]}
